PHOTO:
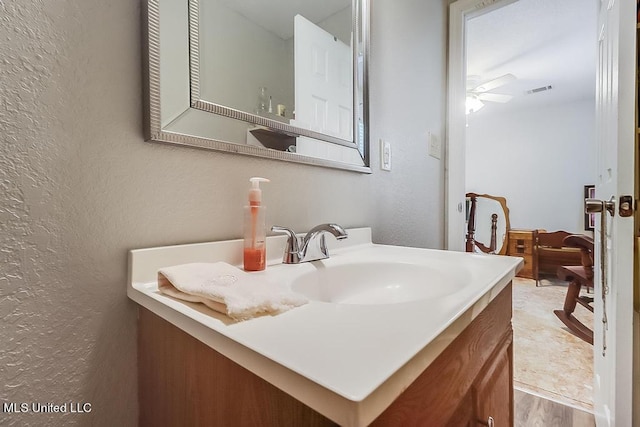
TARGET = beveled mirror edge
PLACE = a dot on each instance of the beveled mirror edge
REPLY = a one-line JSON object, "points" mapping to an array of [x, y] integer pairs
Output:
{"points": [[365, 16], [153, 131], [221, 110]]}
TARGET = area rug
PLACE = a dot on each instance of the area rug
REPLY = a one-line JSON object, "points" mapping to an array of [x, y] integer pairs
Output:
{"points": [[549, 360]]}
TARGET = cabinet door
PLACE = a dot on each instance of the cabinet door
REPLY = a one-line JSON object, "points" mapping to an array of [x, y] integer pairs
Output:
{"points": [[493, 392], [463, 416]]}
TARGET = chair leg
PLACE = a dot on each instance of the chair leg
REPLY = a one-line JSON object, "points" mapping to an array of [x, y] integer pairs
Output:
{"points": [[566, 314], [570, 300], [575, 326]]}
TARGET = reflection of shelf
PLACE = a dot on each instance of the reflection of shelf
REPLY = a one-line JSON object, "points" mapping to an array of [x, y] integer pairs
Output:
{"points": [[271, 139], [272, 116]]}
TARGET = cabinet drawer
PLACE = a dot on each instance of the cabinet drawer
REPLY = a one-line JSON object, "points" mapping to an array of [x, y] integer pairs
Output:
{"points": [[521, 243], [520, 247]]}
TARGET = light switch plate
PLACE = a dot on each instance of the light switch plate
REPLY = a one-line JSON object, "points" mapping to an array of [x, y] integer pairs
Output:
{"points": [[435, 148], [385, 155]]}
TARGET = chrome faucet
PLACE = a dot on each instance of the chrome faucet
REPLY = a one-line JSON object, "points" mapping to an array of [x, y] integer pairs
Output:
{"points": [[311, 247]]}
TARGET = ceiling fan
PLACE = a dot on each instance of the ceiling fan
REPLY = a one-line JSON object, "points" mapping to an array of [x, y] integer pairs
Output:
{"points": [[477, 93]]}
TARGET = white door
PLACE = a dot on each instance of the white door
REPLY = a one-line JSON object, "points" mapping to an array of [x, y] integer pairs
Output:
{"points": [[613, 316], [323, 81]]}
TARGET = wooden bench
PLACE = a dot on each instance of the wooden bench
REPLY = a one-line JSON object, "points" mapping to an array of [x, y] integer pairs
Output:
{"points": [[552, 252]]}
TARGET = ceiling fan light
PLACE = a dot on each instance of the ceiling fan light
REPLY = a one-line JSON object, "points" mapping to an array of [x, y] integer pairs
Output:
{"points": [[473, 104]]}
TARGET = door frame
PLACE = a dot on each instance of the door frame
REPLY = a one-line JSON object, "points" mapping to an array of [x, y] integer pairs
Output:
{"points": [[459, 13]]}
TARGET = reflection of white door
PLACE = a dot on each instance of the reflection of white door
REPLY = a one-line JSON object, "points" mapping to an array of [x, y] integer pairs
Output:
{"points": [[613, 316], [323, 81]]}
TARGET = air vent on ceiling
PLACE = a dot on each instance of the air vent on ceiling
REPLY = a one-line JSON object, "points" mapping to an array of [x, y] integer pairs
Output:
{"points": [[539, 89]]}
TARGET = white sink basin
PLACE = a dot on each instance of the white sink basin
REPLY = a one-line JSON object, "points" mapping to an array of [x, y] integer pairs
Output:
{"points": [[375, 283]]}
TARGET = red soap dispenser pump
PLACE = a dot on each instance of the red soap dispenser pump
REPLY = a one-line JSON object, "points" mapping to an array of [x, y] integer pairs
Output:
{"points": [[255, 249]]}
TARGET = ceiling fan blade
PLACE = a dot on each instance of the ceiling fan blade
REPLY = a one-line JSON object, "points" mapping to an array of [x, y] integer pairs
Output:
{"points": [[494, 97], [493, 84]]}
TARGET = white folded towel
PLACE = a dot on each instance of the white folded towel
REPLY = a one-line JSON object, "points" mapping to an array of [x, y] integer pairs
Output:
{"points": [[227, 289]]}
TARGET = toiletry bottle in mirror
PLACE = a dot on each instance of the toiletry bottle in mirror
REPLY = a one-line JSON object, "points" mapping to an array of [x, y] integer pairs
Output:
{"points": [[263, 100], [255, 249]]}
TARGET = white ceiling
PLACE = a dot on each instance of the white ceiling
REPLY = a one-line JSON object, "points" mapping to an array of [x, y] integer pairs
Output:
{"points": [[277, 15], [541, 42]]}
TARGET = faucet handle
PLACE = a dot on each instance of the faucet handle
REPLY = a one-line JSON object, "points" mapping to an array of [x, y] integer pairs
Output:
{"points": [[292, 250]]}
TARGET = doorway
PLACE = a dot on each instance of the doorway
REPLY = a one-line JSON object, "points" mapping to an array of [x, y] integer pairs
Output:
{"points": [[535, 125]]}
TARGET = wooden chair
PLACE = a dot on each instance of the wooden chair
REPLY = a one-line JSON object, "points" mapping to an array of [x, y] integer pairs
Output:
{"points": [[578, 276], [551, 252]]}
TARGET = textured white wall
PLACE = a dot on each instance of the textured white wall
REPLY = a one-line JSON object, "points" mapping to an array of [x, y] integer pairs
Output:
{"points": [[539, 159], [252, 57], [408, 77], [79, 188]]}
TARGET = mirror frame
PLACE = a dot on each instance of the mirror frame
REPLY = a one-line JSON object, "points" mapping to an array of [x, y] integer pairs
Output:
{"points": [[505, 209], [152, 118]]}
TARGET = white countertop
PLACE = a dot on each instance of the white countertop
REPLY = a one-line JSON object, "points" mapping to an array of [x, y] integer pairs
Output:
{"points": [[347, 361]]}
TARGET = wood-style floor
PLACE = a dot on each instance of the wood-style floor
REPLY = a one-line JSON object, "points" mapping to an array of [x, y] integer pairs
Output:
{"points": [[536, 411], [553, 368], [549, 360]]}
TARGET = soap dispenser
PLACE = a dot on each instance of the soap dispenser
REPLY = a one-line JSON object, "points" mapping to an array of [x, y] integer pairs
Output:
{"points": [[255, 249]]}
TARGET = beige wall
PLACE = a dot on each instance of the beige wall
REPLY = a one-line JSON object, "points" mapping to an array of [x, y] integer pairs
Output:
{"points": [[79, 187]]}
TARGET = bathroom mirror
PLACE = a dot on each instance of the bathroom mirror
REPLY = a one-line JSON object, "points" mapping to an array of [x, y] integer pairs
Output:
{"points": [[285, 79], [487, 224]]}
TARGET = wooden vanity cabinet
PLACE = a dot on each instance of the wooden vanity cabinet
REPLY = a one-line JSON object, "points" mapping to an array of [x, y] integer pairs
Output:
{"points": [[470, 381], [489, 397], [493, 391], [184, 382]]}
